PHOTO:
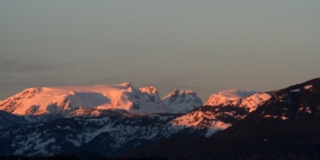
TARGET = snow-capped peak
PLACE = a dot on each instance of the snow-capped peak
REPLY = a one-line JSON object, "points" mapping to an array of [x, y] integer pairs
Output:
{"points": [[149, 90], [177, 92], [153, 95], [228, 95], [55, 100], [182, 101], [239, 98]]}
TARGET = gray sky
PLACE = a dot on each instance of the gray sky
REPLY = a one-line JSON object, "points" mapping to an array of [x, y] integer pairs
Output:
{"points": [[205, 46]]}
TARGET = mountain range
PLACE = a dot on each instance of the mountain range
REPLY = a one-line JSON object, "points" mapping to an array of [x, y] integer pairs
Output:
{"points": [[35, 105], [120, 120]]}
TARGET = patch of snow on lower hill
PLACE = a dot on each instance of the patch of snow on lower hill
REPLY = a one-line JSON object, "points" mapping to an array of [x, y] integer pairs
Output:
{"points": [[308, 87], [219, 125], [200, 120], [296, 90]]}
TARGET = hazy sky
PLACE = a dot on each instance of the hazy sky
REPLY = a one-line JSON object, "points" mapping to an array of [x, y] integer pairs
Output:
{"points": [[205, 46]]}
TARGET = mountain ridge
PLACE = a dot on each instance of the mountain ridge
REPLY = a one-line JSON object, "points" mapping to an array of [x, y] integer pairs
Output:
{"points": [[53, 100]]}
